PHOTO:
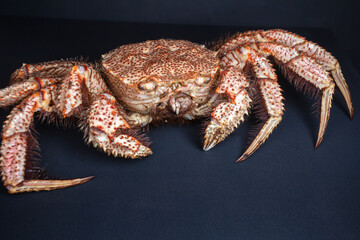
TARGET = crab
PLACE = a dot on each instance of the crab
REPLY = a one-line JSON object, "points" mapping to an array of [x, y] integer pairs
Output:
{"points": [[161, 81]]}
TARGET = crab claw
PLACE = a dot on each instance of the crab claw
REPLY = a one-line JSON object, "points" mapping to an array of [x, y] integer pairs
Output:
{"points": [[228, 115], [131, 147], [225, 118], [214, 134], [122, 145], [110, 131]]}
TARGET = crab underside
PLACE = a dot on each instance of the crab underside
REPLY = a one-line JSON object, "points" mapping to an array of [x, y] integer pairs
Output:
{"points": [[158, 82]]}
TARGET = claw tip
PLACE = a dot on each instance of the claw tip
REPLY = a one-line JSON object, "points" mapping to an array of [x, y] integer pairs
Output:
{"points": [[206, 148], [208, 145]]}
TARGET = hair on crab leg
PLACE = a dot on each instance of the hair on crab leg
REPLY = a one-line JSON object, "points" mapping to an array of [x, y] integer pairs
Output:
{"points": [[304, 71], [17, 148], [317, 53], [294, 44], [264, 133], [16, 92], [270, 98]]}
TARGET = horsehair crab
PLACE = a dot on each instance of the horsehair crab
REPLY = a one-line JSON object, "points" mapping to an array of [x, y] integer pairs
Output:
{"points": [[160, 81]]}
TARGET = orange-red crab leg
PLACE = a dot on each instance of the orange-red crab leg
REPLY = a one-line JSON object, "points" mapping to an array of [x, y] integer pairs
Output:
{"points": [[83, 80], [269, 94], [18, 91], [15, 148], [227, 116], [314, 51], [55, 69], [110, 131], [309, 71], [78, 82], [301, 45]]}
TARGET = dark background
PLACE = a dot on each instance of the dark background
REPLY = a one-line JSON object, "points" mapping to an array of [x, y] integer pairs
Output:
{"points": [[286, 190], [341, 17]]}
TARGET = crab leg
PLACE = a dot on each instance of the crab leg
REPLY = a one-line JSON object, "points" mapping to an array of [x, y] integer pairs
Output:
{"points": [[16, 149], [227, 116], [110, 131], [56, 69], [320, 55], [41, 185], [78, 84], [305, 72], [269, 94], [17, 92], [83, 82], [301, 45]]}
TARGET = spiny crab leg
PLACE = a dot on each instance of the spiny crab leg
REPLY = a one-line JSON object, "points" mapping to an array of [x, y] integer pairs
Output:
{"points": [[314, 51], [270, 98], [15, 149], [82, 84], [57, 69], [260, 138], [17, 92], [344, 89], [308, 74], [302, 46], [326, 99], [79, 84], [47, 185]]}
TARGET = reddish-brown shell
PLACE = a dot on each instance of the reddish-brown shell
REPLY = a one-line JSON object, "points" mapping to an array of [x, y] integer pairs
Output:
{"points": [[162, 60]]}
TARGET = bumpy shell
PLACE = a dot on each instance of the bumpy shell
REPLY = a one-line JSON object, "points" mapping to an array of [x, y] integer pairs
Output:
{"points": [[161, 60]]}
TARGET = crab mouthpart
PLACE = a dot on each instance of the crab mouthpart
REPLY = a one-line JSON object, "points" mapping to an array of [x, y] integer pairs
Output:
{"points": [[180, 103]]}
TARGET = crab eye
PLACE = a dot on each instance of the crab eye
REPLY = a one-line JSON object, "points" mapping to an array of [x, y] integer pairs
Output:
{"points": [[202, 80], [147, 85]]}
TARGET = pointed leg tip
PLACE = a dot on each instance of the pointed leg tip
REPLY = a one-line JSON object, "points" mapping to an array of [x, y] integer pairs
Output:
{"points": [[318, 143], [84, 180], [242, 158], [36, 185]]}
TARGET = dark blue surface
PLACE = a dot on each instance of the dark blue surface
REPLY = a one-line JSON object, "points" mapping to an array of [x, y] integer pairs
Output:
{"points": [[286, 190]]}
